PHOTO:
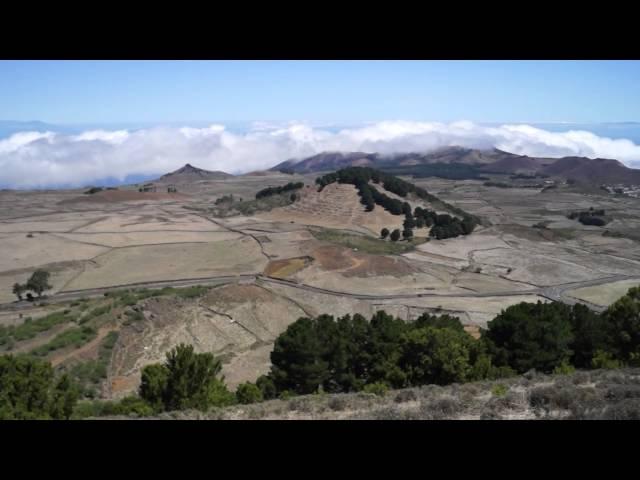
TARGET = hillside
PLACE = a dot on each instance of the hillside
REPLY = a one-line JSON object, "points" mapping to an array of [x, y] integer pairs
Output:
{"points": [[593, 395], [593, 171], [189, 173], [327, 161], [465, 163]]}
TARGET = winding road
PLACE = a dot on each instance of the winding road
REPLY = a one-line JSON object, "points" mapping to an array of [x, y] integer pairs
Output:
{"points": [[555, 292]]}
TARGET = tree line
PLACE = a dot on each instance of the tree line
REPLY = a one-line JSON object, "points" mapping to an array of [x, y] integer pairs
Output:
{"points": [[267, 192], [445, 225], [348, 353]]}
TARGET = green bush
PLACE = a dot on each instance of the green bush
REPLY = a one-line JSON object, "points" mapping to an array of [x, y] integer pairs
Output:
{"points": [[531, 336], [186, 380], [499, 390], [605, 360], [30, 328], [565, 368], [72, 337], [248, 393], [29, 390], [380, 389]]}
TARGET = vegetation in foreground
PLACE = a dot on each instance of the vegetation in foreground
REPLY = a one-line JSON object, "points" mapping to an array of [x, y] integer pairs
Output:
{"points": [[324, 355], [583, 395]]}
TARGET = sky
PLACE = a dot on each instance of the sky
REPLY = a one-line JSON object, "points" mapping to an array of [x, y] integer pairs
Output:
{"points": [[113, 121], [342, 92]]}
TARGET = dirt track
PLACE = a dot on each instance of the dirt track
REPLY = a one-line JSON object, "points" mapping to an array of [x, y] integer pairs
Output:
{"points": [[555, 293]]}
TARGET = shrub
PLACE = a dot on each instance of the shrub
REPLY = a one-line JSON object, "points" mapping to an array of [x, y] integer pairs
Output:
{"points": [[628, 409], [337, 403], [75, 337], [186, 380], [267, 387], [604, 360], [405, 396], [440, 408], [499, 390], [285, 395], [248, 393], [29, 390], [564, 369], [378, 388]]}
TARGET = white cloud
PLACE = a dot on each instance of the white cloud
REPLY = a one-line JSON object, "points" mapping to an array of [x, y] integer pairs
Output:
{"points": [[32, 159]]}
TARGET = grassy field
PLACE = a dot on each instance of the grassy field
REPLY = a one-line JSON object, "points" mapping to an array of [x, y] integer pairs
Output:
{"points": [[366, 244]]}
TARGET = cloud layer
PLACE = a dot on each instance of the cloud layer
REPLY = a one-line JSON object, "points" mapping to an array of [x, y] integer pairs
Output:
{"points": [[34, 159]]}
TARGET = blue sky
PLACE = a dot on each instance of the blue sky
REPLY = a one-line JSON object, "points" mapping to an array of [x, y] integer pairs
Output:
{"points": [[320, 92]]}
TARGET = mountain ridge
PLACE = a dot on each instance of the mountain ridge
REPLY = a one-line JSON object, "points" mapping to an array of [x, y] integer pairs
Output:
{"points": [[580, 169]]}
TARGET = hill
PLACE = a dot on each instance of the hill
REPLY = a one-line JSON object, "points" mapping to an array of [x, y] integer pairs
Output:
{"points": [[593, 171], [189, 173], [466, 163], [592, 395], [327, 161]]}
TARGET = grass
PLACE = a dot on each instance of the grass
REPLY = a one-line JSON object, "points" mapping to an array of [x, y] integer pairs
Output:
{"points": [[133, 316], [365, 244], [30, 328], [75, 337], [96, 312], [90, 374]]}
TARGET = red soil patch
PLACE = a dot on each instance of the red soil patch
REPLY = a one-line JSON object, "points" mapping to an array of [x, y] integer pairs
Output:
{"points": [[113, 196], [233, 294], [355, 264], [123, 384]]}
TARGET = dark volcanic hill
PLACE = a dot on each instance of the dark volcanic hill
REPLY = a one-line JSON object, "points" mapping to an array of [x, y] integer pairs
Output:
{"points": [[327, 161], [189, 173], [469, 163], [593, 171]]}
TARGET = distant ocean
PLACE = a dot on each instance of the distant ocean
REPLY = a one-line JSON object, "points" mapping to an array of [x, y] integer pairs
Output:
{"points": [[628, 130]]}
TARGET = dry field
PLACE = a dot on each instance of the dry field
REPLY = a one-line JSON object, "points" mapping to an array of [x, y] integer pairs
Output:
{"points": [[87, 244]]}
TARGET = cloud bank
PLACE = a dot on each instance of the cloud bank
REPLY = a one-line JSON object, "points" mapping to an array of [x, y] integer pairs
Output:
{"points": [[35, 159]]}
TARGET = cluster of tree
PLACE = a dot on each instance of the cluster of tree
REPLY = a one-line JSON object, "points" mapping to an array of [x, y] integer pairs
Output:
{"points": [[37, 283], [445, 226], [267, 192], [93, 190], [29, 390], [348, 353], [589, 217], [545, 336], [225, 199], [186, 380], [394, 236]]}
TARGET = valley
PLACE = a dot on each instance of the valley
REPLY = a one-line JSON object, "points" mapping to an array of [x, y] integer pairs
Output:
{"points": [[320, 253]]}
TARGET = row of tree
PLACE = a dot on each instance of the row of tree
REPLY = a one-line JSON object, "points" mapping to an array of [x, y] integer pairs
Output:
{"points": [[345, 354], [37, 283], [445, 225], [267, 192]]}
